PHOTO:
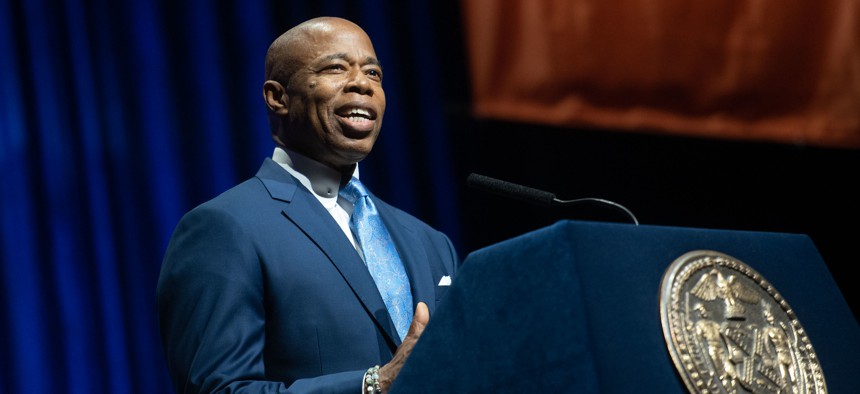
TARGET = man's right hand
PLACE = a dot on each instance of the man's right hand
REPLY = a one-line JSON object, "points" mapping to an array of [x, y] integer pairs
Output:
{"points": [[388, 372]]}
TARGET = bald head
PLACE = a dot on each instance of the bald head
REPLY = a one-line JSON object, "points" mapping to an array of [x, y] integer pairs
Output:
{"points": [[285, 54]]}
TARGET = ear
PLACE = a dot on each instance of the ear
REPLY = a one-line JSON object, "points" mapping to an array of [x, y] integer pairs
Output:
{"points": [[276, 97]]}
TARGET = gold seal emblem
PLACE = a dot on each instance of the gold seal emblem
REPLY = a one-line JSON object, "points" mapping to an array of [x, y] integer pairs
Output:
{"points": [[729, 331]]}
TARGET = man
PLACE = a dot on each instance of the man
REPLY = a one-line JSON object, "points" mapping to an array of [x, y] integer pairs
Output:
{"points": [[264, 288]]}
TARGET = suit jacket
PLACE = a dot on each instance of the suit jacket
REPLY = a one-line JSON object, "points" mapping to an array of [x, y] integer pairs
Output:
{"points": [[260, 291]]}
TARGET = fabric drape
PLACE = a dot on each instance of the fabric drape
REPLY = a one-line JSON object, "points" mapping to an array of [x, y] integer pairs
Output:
{"points": [[765, 70]]}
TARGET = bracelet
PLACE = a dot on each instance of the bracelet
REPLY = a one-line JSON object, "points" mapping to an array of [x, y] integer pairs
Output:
{"points": [[371, 381]]}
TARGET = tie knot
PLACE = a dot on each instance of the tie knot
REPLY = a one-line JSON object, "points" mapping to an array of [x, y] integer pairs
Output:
{"points": [[353, 190]]}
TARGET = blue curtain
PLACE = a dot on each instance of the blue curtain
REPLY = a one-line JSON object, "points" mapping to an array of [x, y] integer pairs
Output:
{"points": [[116, 117]]}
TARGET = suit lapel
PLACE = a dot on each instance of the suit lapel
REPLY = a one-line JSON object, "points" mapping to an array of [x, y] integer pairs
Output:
{"points": [[305, 211]]}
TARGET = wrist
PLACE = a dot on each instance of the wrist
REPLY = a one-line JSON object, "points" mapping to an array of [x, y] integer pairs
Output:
{"points": [[370, 381]]}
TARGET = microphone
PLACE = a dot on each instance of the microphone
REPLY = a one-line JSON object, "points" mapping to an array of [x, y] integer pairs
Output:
{"points": [[535, 196], [510, 190]]}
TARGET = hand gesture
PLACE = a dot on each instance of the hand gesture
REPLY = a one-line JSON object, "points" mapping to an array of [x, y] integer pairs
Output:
{"points": [[388, 372]]}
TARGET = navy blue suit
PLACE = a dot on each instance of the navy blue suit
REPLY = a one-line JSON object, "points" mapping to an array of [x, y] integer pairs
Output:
{"points": [[260, 291]]}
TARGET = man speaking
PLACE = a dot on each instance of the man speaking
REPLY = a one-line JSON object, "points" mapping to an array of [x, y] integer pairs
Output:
{"points": [[299, 279]]}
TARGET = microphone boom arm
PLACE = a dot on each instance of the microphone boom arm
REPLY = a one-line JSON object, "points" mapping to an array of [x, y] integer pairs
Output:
{"points": [[535, 196], [584, 200]]}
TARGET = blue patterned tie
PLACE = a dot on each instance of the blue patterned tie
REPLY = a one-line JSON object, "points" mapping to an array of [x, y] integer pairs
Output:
{"points": [[381, 257]]}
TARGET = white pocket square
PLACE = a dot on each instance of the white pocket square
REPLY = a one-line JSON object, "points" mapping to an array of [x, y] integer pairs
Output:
{"points": [[445, 281]]}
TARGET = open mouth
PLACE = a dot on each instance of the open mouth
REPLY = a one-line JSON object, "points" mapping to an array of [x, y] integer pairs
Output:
{"points": [[357, 118]]}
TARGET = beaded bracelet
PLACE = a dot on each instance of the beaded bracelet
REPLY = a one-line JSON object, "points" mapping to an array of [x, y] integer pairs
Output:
{"points": [[371, 381]]}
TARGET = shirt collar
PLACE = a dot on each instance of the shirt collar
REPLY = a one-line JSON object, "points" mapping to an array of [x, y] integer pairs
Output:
{"points": [[319, 178]]}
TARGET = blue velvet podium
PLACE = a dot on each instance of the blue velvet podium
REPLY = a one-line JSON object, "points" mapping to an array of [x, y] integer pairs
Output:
{"points": [[574, 307]]}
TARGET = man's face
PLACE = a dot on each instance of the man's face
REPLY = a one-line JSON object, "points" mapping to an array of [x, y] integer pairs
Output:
{"points": [[335, 97]]}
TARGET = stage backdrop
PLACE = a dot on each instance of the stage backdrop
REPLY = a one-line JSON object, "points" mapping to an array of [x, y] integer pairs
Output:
{"points": [[116, 117], [767, 70]]}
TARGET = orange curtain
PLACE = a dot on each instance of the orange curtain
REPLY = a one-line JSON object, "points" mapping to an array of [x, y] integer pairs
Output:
{"points": [[783, 71]]}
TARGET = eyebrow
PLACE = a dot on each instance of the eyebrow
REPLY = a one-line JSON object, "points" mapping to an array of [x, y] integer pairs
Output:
{"points": [[345, 57]]}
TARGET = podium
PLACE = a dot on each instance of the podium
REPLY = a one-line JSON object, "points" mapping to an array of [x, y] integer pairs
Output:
{"points": [[575, 308]]}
